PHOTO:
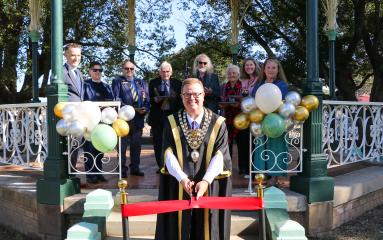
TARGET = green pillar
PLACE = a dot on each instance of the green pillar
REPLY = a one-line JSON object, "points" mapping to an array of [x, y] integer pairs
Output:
{"points": [[331, 34], [35, 35], [234, 48], [313, 182], [132, 52], [56, 185]]}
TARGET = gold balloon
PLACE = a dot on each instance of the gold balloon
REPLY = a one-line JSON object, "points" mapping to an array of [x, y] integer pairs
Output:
{"points": [[310, 102], [121, 127], [241, 121], [301, 114], [58, 109], [256, 116]]}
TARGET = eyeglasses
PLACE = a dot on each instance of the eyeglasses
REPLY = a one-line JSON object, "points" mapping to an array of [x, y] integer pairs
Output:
{"points": [[202, 63], [127, 68], [188, 95], [97, 70]]}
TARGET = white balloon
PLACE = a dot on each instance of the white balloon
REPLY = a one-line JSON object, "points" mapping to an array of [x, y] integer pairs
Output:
{"points": [[293, 97], [76, 129], [268, 98], [248, 104], [89, 114], [126, 113], [62, 127], [108, 115], [68, 112]]}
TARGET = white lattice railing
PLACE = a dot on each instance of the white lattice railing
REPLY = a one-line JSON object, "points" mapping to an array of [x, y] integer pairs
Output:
{"points": [[24, 134], [352, 132]]}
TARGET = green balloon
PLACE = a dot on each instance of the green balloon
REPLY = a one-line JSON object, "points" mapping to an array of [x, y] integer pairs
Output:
{"points": [[103, 138], [273, 125]]}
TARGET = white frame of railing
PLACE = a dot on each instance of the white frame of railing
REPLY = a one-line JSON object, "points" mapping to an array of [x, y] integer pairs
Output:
{"points": [[77, 144], [347, 145], [23, 129], [294, 141]]}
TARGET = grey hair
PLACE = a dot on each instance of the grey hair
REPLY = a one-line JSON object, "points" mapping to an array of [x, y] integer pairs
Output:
{"points": [[166, 64], [209, 66], [234, 67]]}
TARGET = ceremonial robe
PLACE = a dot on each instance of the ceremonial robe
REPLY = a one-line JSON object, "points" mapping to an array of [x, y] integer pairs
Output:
{"points": [[198, 224]]}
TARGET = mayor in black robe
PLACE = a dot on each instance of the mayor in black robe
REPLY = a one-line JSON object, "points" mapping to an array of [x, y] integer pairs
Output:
{"points": [[198, 224]]}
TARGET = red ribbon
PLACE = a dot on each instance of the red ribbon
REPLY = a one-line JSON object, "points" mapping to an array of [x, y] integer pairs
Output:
{"points": [[232, 203]]}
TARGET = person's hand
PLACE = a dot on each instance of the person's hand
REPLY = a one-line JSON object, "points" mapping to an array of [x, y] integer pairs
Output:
{"points": [[208, 91], [201, 188], [157, 99], [187, 185], [141, 111]]}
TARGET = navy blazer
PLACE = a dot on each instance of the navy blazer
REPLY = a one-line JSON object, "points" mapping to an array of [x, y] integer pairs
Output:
{"points": [[122, 93], [97, 91], [74, 93]]}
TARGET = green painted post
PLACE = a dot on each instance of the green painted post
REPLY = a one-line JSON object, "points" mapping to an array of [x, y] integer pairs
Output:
{"points": [[132, 52], [56, 185], [331, 34], [35, 35], [313, 182], [234, 48]]}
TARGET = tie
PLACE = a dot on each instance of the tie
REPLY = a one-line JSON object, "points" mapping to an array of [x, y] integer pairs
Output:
{"points": [[166, 88], [78, 79], [134, 93], [194, 125]]}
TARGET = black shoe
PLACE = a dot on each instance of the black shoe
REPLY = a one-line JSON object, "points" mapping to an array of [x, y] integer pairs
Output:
{"points": [[92, 180], [137, 173], [101, 178]]}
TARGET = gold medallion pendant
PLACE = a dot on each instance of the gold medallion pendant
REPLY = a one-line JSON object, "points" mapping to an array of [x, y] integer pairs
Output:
{"points": [[194, 137]]}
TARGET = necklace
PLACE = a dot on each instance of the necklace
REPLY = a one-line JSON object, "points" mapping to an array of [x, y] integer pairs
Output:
{"points": [[194, 137]]}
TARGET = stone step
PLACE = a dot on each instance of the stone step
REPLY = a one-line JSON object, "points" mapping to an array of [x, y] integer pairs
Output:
{"points": [[242, 222], [249, 237]]}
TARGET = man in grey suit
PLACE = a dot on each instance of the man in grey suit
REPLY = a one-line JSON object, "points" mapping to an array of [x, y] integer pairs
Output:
{"points": [[72, 76], [75, 82]]}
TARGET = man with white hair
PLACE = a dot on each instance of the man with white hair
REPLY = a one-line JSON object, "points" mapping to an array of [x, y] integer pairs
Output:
{"points": [[164, 92]]}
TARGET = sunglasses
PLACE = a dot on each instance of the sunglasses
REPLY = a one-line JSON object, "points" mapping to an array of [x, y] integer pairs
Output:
{"points": [[127, 68], [97, 70], [202, 63]]}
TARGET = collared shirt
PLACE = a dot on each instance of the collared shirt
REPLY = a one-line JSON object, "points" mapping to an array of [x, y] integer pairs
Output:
{"points": [[215, 165]]}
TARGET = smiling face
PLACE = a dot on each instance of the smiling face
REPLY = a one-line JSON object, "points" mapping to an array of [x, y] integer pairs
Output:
{"points": [[232, 75], [128, 70], [95, 72], [193, 97], [271, 70], [73, 56], [249, 67]]}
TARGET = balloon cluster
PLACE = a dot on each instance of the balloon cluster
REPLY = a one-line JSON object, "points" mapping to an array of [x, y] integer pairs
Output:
{"points": [[267, 114], [85, 119]]}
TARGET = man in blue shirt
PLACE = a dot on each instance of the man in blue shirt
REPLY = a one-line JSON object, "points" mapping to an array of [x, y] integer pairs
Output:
{"points": [[130, 90]]}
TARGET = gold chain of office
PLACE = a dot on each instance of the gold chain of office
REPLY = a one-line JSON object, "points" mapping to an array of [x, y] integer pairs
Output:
{"points": [[194, 137]]}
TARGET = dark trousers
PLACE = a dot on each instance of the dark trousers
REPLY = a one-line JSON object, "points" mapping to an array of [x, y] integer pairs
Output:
{"points": [[242, 140], [135, 140], [92, 159], [157, 144]]}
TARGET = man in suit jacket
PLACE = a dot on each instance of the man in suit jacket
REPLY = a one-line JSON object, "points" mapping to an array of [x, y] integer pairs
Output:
{"points": [[72, 76], [74, 80], [165, 99], [203, 70], [133, 91]]}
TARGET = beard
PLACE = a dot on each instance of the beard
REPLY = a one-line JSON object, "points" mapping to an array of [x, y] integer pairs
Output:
{"points": [[202, 70]]}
